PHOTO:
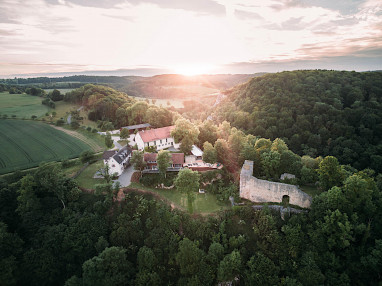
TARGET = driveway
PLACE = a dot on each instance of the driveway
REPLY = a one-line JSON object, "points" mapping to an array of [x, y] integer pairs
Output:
{"points": [[125, 178], [115, 139]]}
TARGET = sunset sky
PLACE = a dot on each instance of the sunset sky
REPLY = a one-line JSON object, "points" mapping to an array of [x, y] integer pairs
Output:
{"points": [[147, 37]]}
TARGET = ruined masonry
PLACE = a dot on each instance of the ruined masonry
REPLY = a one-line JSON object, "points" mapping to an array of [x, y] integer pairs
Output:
{"points": [[260, 191]]}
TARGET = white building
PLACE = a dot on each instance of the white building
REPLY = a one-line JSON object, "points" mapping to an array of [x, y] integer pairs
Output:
{"points": [[117, 161], [160, 138]]}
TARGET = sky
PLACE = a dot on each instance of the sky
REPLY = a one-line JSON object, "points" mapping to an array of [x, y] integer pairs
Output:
{"points": [[147, 37]]}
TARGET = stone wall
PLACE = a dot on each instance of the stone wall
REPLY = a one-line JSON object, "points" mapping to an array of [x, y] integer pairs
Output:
{"points": [[257, 190]]}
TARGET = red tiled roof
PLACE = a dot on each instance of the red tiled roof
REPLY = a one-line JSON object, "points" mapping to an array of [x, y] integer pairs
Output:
{"points": [[150, 157], [156, 134], [177, 158]]}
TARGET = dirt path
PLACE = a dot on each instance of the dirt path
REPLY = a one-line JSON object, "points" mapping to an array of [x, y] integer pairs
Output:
{"points": [[91, 143]]}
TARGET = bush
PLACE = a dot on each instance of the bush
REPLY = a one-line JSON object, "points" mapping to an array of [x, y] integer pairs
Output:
{"points": [[60, 122], [152, 180], [89, 129], [94, 130], [87, 156], [66, 163], [74, 124]]}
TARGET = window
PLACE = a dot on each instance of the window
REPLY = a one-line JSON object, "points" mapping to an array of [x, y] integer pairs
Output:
{"points": [[172, 143], [161, 141], [166, 140]]}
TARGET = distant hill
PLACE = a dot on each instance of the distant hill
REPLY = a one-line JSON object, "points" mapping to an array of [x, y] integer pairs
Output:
{"points": [[160, 86], [317, 112]]}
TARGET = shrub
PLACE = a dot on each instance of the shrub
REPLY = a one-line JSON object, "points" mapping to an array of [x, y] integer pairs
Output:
{"points": [[89, 129], [87, 156], [60, 122], [94, 130]]}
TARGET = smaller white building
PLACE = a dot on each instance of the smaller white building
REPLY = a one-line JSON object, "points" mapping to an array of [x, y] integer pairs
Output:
{"points": [[117, 161], [160, 138]]}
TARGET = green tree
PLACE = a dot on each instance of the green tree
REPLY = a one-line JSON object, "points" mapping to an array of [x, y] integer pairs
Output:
{"points": [[187, 181], [137, 161], [230, 266], [208, 132], [87, 156], [330, 173], [10, 249], [138, 111], [261, 271], [209, 153], [111, 267], [221, 147], [163, 161], [108, 140], [124, 133], [270, 162], [186, 133]]}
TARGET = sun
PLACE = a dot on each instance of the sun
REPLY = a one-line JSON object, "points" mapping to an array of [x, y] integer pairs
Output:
{"points": [[193, 69]]}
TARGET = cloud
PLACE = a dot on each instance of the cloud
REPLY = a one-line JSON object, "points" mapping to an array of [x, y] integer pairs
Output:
{"points": [[200, 6], [88, 3], [345, 7], [247, 15]]}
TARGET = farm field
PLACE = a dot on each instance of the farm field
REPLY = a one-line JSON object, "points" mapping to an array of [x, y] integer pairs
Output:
{"points": [[25, 144], [21, 105]]}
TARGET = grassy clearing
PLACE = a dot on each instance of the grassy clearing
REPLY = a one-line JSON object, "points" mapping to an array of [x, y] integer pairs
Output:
{"points": [[21, 105], [25, 144], [177, 103], [86, 180], [203, 203]]}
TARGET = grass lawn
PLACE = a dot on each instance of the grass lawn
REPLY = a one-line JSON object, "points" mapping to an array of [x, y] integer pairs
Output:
{"points": [[123, 142], [21, 105], [203, 203], [25, 144], [86, 180]]}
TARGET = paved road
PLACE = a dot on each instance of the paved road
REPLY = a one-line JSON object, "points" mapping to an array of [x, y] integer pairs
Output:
{"points": [[125, 178], [117, 146]]}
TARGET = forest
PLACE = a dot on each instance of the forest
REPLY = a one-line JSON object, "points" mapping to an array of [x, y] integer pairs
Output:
{"points": [[53, 233], [316, 112]]}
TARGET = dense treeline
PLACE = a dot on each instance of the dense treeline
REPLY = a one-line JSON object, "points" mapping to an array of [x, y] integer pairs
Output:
{"points": [[52, 234], [160, 86], [115, 109], [315, 112]]}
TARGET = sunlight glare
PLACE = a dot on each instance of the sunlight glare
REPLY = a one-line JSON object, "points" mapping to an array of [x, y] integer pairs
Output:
{"points": [[193, 69]]}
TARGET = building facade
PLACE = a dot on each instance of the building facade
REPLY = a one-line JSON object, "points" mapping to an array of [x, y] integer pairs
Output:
{"points": [[160, 138], [117, 161]]}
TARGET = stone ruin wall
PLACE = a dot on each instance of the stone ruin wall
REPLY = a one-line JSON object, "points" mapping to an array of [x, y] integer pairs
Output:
{"points": [[257, 190]]}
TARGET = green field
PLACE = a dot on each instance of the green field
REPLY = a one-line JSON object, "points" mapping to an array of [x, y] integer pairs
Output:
{"points": [[25, 144], [21, 105], [86, 180]]}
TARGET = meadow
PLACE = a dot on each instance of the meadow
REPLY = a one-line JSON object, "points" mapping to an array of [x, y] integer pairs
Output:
{"points": [[177, 103], [202, 204], [25, 144], [21, 105]]}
